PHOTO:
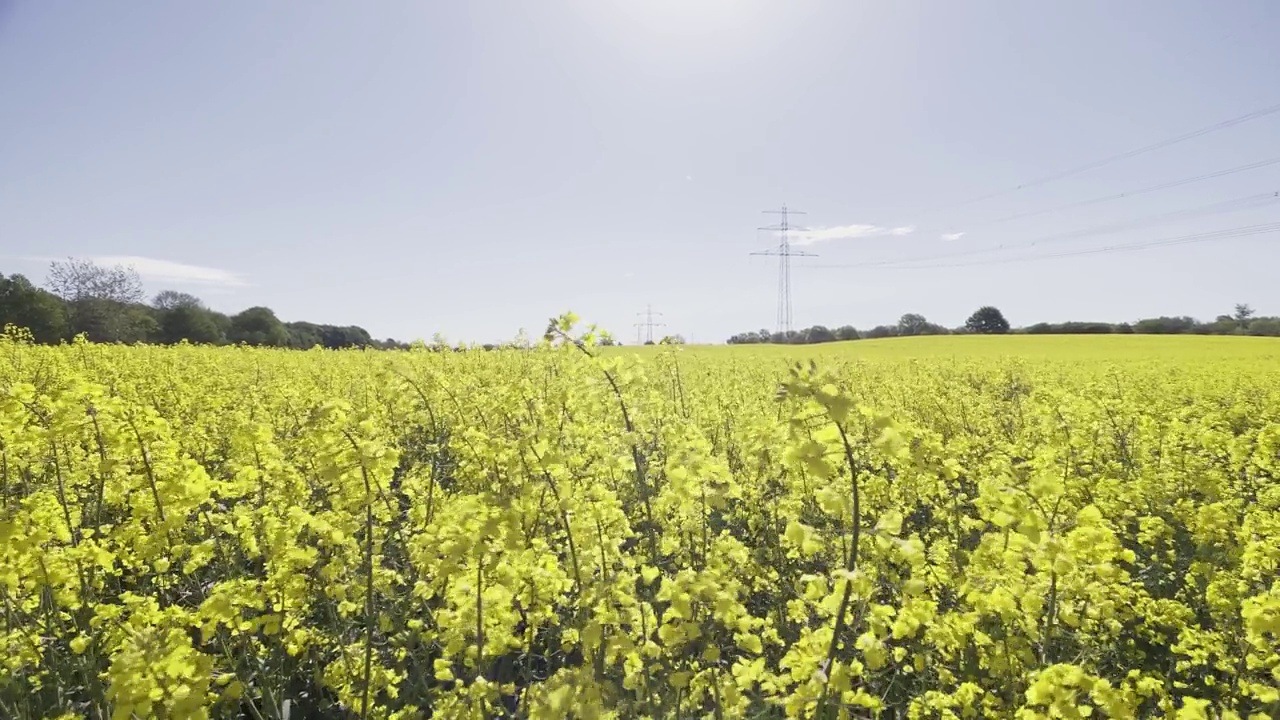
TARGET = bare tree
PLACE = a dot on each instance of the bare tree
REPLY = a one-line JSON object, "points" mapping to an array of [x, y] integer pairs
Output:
{"points": [[103, 303], [77, 279]]}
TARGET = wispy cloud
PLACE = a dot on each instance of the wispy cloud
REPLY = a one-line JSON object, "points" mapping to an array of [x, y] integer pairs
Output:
{"points": [[157, 270], [847, 232], [952, 236]]}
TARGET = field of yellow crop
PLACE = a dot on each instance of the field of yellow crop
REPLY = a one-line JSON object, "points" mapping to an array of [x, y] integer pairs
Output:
{"points": [[915, 528]]}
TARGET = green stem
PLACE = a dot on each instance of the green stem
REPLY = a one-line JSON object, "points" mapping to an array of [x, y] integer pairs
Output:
{"points": [[851, 566]]}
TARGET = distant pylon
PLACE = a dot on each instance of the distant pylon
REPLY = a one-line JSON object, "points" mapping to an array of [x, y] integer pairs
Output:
{"points": [[785, 252], [645, 329]]}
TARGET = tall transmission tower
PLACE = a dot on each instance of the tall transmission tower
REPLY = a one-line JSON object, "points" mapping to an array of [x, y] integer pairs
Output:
{"points": [[644, 330], [784, 252]]}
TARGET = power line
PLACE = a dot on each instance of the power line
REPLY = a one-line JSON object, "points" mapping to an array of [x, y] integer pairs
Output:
{"points": [[1131, 193], [784, 252], [645, 329], [1236, 204], [1052, 177], [1246, 231]]}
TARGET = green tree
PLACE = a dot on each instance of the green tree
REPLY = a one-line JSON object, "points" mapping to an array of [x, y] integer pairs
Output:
{"points": [[847, 332], [170, 299], [911, 324], [335, 337], [1243, 313], [819, 334], [191, 323], [1267, 326], [1222, 325], [1165, 325], [304, 335], [881, 331], [987, 320], [25, 305], [181, 316], [258, 326]]}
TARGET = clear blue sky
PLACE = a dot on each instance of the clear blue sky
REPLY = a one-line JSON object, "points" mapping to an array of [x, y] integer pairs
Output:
{"points": [[473, 168]]}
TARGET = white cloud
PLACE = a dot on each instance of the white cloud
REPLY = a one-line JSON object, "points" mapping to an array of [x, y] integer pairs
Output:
{"points": [[847, 232], [952, 236], [158, 270]]}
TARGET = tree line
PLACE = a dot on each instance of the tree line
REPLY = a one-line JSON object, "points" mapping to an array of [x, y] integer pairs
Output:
{"points": [[108, 304], [989, 320]]}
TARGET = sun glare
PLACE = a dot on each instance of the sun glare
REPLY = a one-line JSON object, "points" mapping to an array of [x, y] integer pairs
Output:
{"points": [[704, 26]]}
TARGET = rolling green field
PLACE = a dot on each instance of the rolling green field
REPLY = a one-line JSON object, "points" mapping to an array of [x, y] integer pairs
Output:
{"points": [[1042, 347]]}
